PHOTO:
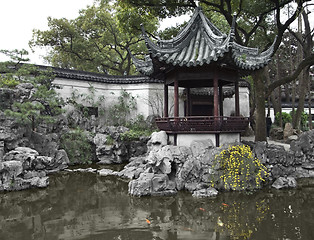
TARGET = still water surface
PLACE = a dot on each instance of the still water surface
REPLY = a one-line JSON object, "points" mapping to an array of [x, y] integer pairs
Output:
{"points": [[87, 206]]}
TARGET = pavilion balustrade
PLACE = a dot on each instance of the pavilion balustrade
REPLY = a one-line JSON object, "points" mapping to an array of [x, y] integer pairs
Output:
{"points": [[203, 124]]}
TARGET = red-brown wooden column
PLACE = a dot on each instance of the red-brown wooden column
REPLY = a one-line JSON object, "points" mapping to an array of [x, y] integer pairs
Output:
{"points": [[216, 112], [221, 99], [176, 98], [166, 105], [216, 98], [237, 101]]}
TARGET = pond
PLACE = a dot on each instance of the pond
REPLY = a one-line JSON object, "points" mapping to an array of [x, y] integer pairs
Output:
{"points": [[87, 206]]}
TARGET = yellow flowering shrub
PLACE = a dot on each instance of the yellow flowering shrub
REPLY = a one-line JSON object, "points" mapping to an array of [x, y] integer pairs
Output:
{"points": [[238, 169]]}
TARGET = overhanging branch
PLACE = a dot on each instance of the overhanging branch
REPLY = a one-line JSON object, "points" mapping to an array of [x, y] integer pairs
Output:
{"points": [[309, 61]]}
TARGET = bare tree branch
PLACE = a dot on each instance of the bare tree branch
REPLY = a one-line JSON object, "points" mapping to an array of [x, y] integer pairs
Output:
{"points": [[309, 61]]}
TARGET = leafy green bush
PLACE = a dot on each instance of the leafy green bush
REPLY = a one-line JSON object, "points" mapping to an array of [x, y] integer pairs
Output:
{"points": [[238, 169], [304, 119], [8, 82], [138, 128], [286, 118], [109, 140], [134, 134], [77, 146], [119, 112]]}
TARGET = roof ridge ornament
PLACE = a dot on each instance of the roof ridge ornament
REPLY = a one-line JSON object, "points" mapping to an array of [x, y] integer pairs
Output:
{"points": [[232, 30], [143, 30]]}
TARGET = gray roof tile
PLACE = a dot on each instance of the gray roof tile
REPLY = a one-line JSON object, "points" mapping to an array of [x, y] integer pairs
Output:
{"points": [[199, 43]]}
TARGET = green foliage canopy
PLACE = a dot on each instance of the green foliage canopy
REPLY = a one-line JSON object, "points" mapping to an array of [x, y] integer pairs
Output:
{"points": [[98, 39]]}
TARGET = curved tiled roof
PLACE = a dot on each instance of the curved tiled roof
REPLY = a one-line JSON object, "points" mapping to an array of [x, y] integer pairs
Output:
{"points": [[199, 43], [99, 77]]}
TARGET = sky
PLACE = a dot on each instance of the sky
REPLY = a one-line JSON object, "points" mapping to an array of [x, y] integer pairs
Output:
{"points": [[18, 18]]}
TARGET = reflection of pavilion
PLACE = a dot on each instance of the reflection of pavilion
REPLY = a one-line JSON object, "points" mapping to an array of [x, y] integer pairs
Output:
{"points": [[201, 56]]}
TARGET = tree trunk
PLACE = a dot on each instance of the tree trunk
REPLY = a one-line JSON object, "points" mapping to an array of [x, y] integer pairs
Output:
{"points": [[273, 100], [310, 105], [302, 92], [294, 82], [279, 91], [259, 78], [304, 51]]}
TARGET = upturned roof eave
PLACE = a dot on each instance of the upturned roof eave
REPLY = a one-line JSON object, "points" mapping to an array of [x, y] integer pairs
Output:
{"points": [[201, 43]]}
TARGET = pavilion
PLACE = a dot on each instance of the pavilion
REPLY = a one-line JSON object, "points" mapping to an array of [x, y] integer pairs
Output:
{"points": [[201, 57]]}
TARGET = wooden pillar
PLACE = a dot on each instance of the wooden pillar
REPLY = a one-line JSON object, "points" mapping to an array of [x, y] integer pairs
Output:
{"points": [[237, 101], [188, 102], [216, 98], [221, 99], [176, 98], [216, 106], [166, 105]]}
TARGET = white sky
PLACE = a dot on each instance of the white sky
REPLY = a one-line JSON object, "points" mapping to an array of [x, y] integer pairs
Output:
{"points": [[18, 18]]}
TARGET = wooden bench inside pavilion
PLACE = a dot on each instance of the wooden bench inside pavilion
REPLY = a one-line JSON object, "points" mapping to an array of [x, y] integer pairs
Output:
{"points": [[201, 57]]}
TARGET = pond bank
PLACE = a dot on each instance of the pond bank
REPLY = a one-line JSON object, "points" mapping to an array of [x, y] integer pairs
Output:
{"points": [[167, 169]]}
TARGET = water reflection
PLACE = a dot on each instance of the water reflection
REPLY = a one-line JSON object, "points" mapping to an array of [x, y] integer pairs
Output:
{"points": [[86, 206]]}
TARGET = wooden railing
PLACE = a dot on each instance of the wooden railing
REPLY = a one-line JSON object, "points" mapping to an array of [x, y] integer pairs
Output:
{"points": [[202, 124]]}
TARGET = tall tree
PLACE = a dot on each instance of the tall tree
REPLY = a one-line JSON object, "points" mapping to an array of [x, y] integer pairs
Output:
{"points": [[97, 40], [306, 43]]}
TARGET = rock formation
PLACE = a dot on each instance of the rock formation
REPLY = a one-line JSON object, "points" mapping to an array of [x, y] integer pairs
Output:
{"points": [[24, 168], [167, 169]]}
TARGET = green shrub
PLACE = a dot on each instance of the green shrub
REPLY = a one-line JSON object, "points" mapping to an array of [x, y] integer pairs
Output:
{"points": [[138, 128], [238, 169], [120, 112], [77, 146], [304, 119], [8, 82], [109, 140], [286, 118], [134, 134]]}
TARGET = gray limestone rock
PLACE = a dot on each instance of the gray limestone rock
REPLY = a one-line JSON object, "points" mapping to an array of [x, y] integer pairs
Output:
{"points": [[107, 172], [100, 139], [292, 138], [288, 131], [157, 140], [61, 159], [150, 184], [39, 182], [12, 168], [207, 192], [285, 182], [201, 147], [21, 154], [24, 168], [276, 133], [141, 186], [159, 182]]}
